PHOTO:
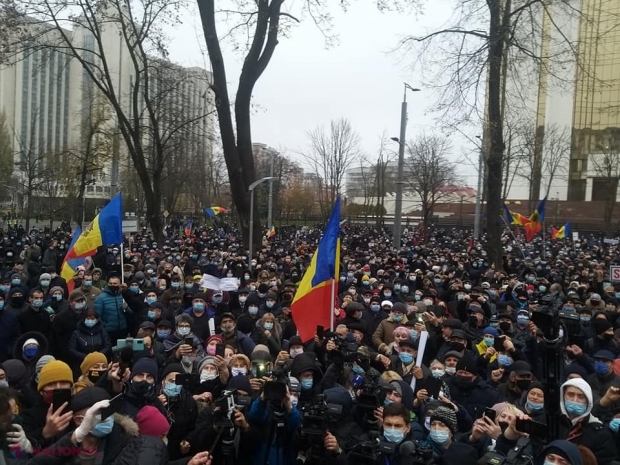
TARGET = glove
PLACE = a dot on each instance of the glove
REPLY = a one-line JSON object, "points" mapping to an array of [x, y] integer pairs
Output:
{"points": [[19, 437], [90, 420]]}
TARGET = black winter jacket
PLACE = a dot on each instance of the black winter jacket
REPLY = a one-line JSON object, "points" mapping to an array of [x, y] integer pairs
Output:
{"points": [[87, 340]]}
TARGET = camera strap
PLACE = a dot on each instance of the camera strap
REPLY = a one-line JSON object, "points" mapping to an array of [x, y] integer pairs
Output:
{"points": [[517, 449]]}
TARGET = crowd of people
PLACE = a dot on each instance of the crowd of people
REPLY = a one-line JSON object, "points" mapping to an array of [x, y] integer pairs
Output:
{"points": [[132, 361]]}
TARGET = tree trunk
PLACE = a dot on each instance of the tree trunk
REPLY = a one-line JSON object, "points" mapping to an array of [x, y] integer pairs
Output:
{"points": [[497, 36]]}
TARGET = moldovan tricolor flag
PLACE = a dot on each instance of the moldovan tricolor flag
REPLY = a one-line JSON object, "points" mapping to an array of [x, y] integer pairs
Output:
{"points": [[313, 302], [105, 229], [69, 267]]}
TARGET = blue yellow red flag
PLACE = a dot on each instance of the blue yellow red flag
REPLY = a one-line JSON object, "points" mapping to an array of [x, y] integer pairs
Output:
{"points": [[561, 233], [271, 233], [313, 303], [105, 229], [515, 218], [69, 267], [538, 216], [188, 228], [214, 211]]}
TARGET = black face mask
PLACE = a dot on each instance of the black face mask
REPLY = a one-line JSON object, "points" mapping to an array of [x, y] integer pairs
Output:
{"points": [[523, 384], [473, 321], [503, 425], [114, 289], [608, 337], [463, 382], [94, 375], [17, 301], [142, 388], [504, 326], [458, 346]]}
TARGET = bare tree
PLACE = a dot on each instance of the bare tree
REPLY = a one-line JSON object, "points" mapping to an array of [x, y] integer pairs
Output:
{"points": [[556, 148], [430, 171], [6, 154], [496, 47], [149, 116], [605, 169], [332, 153]]}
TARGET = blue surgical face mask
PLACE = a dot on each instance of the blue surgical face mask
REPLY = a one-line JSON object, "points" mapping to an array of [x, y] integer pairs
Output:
{"points": [[417, 297], [134, 289], [87, 283], [488, 341], [198, 306], [16, 282], [175, 284], [439, 437], [30, 352], [268, 326], [405, 357], [188, 285], [163, 334], [397, 318], [5, 289], [1, 304], [404, 289], [601, 368], [306, 384], [534, 406], [184, 331], [45, 283], [151, 300], [172, 389], [37, 303], [413, 334], [614, 425], [150, 314], [90, 323], [253, 311], [387, 293], [585, 319], [387, 402], [522, 319], [358, 370], [504, 360], [102, 429], [270, 304], [437, 281], [217, 299], [393, 435], [575, 408], [375, 308]]}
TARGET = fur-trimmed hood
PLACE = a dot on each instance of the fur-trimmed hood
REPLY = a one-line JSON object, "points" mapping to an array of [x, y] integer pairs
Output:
{"points": [[128, 424]]}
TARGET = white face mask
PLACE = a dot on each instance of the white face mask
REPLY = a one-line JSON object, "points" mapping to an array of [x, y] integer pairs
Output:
{"points": [[427, 423], [294, 401], [243, 298], [239, 371], [207, 376], [428, 302], [450, 370], [296, 352]]}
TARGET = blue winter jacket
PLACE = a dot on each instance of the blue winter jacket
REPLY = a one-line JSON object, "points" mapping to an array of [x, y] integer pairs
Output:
{"points": [[110, 310], [286, 455]]}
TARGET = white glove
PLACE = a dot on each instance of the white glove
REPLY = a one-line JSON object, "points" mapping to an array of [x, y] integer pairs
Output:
{"points": [[91, 418], [19, 437]]}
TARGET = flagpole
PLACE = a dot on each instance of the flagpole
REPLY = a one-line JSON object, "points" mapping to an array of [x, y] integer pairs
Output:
{"points": [[512, 234], [123, 262], [544, 241], [331, 306]]}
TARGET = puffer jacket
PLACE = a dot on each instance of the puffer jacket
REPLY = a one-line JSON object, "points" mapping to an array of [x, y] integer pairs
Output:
{"points": [[110, 310], [384, 334], [123, 446], [86, 340]]}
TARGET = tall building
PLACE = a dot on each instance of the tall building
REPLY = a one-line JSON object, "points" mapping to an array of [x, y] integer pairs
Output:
{"points": [[575, 95], [48, 97]]}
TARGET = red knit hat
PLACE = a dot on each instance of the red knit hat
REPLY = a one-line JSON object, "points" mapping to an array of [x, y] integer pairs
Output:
{"points": [[215, 337], [152, 422]]}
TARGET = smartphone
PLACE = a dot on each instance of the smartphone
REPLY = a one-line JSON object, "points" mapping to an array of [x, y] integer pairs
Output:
{"points": [[433, 386], [498, 343], [490, 413], [61, 396], [320, 331], [220, 349], [262, 369], [531, 427], [135, 343], [189, 341], [116, 406]]}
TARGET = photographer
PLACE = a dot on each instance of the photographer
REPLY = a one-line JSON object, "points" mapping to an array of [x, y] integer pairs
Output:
{"points": [[279, 421]]}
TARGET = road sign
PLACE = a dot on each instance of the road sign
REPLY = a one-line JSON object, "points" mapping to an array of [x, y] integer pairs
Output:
{"points": [[575, 236], [166, 214], [614, 273], [610, 241]]}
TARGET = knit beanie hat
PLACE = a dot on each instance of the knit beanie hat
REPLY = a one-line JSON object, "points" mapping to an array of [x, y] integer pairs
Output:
{"points": [[145, 365], [57, 288], [152, 422], [41, 363], [204, 362], [88, 397], [91, 360], [447, 417], [54, 372], [172, 368], [215, 337], [30, 341], [261, 354]]}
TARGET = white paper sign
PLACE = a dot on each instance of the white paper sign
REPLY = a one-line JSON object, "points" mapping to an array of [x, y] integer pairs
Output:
{"points": [[216, 284], [418, 361], [229, 284]]}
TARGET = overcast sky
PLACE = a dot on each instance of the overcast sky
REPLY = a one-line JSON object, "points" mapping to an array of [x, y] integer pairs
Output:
{"points": [[360, 78]]}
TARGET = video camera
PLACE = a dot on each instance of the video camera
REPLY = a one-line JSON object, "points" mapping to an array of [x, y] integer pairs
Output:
{"points": [[223, 407], [315, 423], [372, 393], [373, 452], [189, 381], [346, 350], [275, 390], [555, 321]]}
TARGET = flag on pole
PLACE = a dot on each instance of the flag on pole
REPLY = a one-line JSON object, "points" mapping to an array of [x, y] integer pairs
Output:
{"points": [[515, 218], [69, 267], [105, 229], [188, 228], [271, 233], [214, 211], [538, 216], [313, 303], [561, 233]]}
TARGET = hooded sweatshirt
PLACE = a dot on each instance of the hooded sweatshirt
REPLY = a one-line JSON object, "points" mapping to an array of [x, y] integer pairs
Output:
{"points": [[584, 387]]}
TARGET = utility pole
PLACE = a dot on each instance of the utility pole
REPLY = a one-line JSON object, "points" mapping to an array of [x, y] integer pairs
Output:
{"points": [[479, 191], [398, 204], [270, 206]]}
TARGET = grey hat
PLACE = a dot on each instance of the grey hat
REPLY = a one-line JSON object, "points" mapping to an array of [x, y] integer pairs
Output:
{"points": [[45, 276]]}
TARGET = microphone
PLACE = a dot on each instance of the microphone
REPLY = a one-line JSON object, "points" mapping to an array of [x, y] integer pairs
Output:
{"points": [[406, 448]]}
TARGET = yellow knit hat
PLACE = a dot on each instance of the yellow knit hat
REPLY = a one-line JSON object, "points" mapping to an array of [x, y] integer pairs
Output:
{"points": [[92, 359], [54, 372]]}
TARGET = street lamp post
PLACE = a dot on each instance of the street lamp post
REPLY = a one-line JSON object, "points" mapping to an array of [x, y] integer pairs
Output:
{"points": [[251, 189], [398, 205], [479, 193]]}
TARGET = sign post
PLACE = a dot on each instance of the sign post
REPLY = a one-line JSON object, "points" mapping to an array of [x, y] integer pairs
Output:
{"points": [[614, 273]]}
